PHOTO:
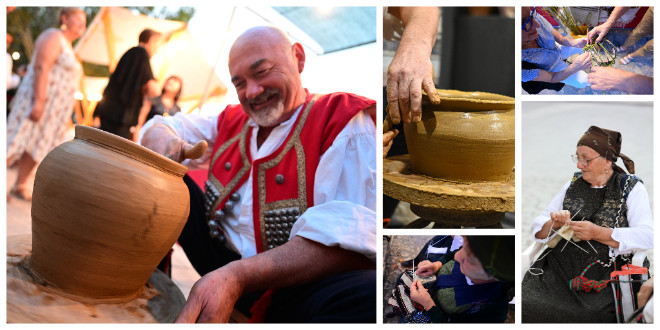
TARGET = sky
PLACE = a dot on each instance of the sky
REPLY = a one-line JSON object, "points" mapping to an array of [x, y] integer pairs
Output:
{"points": [[356, 70]]}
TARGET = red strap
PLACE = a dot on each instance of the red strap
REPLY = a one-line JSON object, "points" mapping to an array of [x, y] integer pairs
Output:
{"points": [[258, 310]]}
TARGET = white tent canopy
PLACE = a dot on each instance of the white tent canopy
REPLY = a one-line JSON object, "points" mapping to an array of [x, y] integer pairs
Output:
{"points": [[114, 30]]}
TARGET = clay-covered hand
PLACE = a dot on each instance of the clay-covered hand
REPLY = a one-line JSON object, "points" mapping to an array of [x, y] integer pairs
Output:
{"points": [[645, 292], [582, 61], [212, 298], [585, 230], [420, 294], [600, 31], [560, 218], [409, 72], [427, 268], [161, 139], [388, 139], [37, 112]]}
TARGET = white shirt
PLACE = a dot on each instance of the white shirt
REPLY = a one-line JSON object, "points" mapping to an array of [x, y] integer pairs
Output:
{"points": [[344, 214], [639, 234]]}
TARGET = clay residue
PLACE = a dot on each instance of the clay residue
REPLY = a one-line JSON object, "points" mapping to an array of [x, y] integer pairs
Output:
{"points": [[402, 184], [29, 301]]}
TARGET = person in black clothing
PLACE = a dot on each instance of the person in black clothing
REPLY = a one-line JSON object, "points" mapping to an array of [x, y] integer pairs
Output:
{"points": [[130, 86], [473, 283], [167, 103]]}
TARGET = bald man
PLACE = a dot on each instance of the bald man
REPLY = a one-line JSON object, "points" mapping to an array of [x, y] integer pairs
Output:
{"points": [[287, 222]]}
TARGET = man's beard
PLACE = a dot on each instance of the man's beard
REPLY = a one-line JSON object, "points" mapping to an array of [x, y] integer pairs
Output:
{"points": [[268, 116]]}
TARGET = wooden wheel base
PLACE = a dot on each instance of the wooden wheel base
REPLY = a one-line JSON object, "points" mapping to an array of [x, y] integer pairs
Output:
{"points": [[32, 301]]}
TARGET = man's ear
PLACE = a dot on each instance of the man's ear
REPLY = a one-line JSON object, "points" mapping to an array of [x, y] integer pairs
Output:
{"points": [[299, 54]]}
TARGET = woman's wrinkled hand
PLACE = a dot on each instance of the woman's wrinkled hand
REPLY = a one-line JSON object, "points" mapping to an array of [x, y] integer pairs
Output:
{"points": [[560, 218], [419, 294], [585, 230], [427, 268], [583, 61]]}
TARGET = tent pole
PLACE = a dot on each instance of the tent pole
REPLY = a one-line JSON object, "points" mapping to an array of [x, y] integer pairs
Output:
{"points": [[217, 59]]}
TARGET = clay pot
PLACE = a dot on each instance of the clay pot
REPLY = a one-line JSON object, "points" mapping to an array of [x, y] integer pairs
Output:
{"points": [[105, 211], [468, 137]]}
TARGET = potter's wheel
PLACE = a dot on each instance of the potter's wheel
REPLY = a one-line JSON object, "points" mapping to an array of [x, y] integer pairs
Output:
{"points": [[447, 204], [29, 301]]}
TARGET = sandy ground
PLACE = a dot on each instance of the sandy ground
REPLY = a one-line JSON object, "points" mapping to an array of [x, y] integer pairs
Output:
{"points": [[19, 221], [550, 131], [643, 66]]}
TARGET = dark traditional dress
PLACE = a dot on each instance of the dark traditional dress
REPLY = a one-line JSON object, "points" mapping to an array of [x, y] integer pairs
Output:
{"points": [[546, 295], [122, 98]]}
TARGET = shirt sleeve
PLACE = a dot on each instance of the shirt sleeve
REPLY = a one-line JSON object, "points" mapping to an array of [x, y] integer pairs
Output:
{"points": [[556, 204], [529, 74], [344, 214], [639, 234], [191, 128]]}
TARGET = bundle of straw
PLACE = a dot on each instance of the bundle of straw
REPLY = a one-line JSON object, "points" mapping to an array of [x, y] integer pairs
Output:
{"points": [[566, 18]]}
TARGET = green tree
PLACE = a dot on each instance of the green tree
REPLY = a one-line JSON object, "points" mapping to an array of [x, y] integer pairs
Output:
{"points": [[26, 23]]}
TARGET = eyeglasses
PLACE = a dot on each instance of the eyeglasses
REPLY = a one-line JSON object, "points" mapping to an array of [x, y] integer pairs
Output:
{"points": [[529, 21], [582, 161]]}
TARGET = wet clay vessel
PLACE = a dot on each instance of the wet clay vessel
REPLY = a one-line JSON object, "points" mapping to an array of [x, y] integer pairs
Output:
{"points": [[468, 137], [105, 211]]}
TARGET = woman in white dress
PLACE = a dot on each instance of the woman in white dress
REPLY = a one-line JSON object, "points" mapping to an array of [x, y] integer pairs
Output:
{"points": [[45, 99]]}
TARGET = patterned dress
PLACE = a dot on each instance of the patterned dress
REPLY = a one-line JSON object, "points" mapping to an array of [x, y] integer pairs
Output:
{"points": [[39, 138]]}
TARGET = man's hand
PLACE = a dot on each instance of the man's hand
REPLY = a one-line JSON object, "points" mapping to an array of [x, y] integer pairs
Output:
{"points": [[420, 294], [600, 31], [296, 262], [212, 298], [409, 73], [608, 78], [388, 139], [411, 69], [161, 139]]}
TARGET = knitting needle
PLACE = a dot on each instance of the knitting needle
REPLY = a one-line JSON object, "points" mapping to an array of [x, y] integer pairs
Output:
{"points": [[413, 274], [569, 240], [592, 247]]}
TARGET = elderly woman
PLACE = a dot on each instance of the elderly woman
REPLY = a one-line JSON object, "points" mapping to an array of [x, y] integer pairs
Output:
{"points": [[473, 281], [544, 51], [608, 213]]}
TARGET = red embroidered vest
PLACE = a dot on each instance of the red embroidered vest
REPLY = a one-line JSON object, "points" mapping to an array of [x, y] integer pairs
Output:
{"points": [[283, 182]]}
